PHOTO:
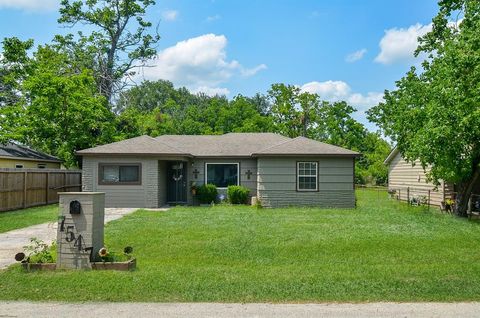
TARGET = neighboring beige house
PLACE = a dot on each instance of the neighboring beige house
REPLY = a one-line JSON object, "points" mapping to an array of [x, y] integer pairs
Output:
{"points": [[409, 181], [279, 171], [17, 156]]}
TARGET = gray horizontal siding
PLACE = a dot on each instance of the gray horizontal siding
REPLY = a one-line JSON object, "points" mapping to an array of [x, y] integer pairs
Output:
{"points": [[277, 181], [137, 196]]}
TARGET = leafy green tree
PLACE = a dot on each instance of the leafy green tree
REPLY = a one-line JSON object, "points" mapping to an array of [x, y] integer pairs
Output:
{"points": [[292, 110], [434, 113], [112, 50], [59, 111], [14, 67]]}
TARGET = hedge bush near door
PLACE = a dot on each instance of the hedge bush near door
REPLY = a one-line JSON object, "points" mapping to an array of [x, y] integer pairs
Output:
{"points": [[207, 193]]}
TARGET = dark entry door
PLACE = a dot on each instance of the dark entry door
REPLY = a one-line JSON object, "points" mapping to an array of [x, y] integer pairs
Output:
{"points": [[176, 182]]}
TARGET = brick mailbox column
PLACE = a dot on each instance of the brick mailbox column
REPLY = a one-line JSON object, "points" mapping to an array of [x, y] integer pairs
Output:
{"points": [[80, 228]]}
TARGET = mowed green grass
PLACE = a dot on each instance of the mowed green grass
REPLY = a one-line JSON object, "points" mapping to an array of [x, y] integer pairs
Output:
{"points": [[381, 251], [18, 219]]}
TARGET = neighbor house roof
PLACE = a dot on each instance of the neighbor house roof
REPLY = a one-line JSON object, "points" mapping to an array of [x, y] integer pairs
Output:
{"points": [[391, 155], [13, 150], [231, 144]]}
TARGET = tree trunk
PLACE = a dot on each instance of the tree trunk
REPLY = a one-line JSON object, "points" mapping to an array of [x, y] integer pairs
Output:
{"points": [[465, 191]]}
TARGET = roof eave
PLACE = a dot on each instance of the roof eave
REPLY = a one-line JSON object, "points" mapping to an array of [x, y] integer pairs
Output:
{"points": [[31, 159], [390, 156], [306, 155], [98, 154]]}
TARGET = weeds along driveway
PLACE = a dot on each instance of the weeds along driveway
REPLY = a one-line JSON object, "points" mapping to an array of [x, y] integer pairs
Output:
{"points": [[13, 242]]}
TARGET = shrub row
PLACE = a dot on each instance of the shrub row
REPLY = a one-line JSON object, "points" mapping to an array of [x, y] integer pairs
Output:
{"points": [[207, 193]]}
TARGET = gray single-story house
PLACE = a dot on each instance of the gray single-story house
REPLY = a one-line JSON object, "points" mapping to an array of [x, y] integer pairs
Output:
{"points": [[279, 171]]}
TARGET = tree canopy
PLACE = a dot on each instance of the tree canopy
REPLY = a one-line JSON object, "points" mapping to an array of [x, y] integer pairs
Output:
{"points": [[434, 113]]}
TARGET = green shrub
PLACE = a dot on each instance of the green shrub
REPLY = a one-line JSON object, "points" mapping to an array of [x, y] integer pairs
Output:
{"points": [[207, 193], [237, 194]]}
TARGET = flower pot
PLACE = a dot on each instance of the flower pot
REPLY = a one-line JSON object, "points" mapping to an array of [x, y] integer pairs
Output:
{"points": [[30, 267], [116, 266]]}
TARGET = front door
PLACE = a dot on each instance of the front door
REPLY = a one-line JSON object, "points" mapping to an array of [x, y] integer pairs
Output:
{"points": [[176, 182]]}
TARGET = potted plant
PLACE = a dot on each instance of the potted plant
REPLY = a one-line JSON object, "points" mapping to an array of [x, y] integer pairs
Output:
{"points": [[193, 188], [108, 260], [37, 256]]}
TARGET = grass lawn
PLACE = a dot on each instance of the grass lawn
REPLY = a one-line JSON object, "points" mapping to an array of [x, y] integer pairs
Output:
{"points": [[22, 218], [381, 251]]}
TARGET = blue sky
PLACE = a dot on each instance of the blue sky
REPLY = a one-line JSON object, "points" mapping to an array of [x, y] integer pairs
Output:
{"points": [[344, 49]]}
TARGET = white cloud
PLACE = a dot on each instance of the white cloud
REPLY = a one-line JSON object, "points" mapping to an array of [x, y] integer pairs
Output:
{"points": [[213, 18], [254, 70], [199, 62], [339, 90], [334, 91], [355, 56], [211, 91], [328, 90], [399, 44], [30, 5], [170, 15]]}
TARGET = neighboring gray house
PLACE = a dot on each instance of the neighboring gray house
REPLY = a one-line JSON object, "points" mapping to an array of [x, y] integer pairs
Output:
{"points": [[279, 171]]}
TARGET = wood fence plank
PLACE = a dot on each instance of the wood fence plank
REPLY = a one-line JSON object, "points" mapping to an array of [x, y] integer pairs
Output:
{"points": [[22, 188]]}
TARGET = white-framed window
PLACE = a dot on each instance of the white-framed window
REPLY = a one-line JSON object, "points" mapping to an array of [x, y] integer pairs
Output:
{"points": [[222, 175], [19, 166], [41, 165], [307, 176]]}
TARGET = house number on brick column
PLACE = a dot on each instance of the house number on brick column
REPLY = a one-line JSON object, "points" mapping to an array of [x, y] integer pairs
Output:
{"points": [[71, 236]]}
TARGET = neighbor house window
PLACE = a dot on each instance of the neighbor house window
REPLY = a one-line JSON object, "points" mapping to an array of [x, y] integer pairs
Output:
{"points": [[19, 166], [128, 173], [41, 165], [307, 176], [222, 175]]}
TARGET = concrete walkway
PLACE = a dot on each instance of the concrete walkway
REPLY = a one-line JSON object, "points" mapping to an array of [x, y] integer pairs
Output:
{"points": [[204, 310], [13, 242]]}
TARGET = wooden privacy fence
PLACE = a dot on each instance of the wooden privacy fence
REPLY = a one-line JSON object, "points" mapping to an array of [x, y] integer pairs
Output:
{"points": [[23, 188]]}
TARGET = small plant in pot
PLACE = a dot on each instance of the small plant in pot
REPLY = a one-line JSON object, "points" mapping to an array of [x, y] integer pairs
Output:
{"points": [[37, 255], [207, 193], [193, 188]]}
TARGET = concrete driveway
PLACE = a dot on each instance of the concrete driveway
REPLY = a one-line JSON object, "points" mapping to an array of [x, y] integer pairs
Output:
{"points": [[13, 242], [204, 310]]}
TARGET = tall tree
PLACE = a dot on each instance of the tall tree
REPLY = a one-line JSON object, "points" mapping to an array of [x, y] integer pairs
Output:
{"points": [[112, 49], [434, 114], [14, 67], [59, 110]]}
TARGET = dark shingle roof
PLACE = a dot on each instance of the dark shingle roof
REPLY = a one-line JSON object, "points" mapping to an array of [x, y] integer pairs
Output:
{"points": [[137, 145], [18, 151], [305, 146], [231, 144]]}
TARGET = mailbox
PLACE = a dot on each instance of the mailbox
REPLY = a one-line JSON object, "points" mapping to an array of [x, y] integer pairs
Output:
{"points": [[75, 207]]}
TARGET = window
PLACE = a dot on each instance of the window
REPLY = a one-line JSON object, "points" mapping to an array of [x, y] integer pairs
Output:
{"points": [[41, 165], [307, 176], [222, 174], [129, 173], [19, 166]]}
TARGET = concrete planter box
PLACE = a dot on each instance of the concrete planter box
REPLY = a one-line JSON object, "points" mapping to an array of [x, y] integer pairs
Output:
{"points": [[30, 267], [117, 266]]}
